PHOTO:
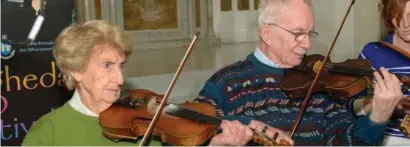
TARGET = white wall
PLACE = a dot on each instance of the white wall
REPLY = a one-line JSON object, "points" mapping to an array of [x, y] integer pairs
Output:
{"points": [[367, 23], [362, 25], [186, 87], [235, 26]]}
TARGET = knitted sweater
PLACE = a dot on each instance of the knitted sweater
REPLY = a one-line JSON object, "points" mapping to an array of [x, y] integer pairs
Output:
{"points": [[249, 90], [67, 127]]}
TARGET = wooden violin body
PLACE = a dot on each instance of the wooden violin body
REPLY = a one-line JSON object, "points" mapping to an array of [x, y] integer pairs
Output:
{"points": [[186, 124], [298, 80], [131, 120]]}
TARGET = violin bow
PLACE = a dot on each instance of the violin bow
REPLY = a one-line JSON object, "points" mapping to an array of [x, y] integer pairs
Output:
{"points": [[396, 48], [309, 94], [168, 92]]}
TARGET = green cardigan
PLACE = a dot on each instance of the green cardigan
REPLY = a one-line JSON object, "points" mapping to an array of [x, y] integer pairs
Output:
{"points": [[67, 127]]}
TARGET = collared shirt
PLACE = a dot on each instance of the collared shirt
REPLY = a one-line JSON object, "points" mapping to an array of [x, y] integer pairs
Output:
{"points": [[76, 103], [262, 57]]}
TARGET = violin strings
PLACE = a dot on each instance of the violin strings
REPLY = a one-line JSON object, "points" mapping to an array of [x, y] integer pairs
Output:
{"points": [[178, 111], [348, 70], [191, 111]]}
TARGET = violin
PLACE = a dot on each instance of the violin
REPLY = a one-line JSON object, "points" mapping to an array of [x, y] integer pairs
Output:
{"points": [[194, 122], [338, 80], [343, 79]]}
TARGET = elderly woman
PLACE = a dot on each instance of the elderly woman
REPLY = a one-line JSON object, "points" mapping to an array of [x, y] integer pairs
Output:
{"points": [[90, 57]]}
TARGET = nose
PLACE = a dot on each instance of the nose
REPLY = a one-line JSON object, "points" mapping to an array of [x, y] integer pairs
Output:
{"points": [[118, 76], [405, 22], [306, 43]]}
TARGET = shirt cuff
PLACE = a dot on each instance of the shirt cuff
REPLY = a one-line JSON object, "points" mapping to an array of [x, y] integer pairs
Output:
{"points": [[369, 131], [358, 107]]}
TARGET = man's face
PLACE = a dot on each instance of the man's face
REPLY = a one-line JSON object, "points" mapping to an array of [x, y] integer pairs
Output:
{"points": [[404, 30], [282, 47]]}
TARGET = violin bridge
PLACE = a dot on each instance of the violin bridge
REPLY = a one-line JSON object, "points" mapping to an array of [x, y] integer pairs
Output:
{"points": [[317, 66]]}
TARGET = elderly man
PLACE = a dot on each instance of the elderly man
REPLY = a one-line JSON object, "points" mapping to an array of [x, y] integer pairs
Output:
{"points": [[248, 91]]}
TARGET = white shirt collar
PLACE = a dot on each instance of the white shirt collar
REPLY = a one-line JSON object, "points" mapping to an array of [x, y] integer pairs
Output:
{"points": [[76, 103], [265, 60]]}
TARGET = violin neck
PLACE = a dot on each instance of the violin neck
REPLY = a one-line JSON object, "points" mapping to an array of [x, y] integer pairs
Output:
{"points": [[176, 110], [335, 68], [356, 71]]}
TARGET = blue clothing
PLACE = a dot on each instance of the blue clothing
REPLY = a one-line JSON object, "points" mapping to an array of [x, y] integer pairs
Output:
{"points": [[249, 89], [383, 56]]}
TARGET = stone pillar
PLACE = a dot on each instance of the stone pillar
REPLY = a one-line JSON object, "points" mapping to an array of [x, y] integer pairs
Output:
{"points": [[84, 10], [234, 25]]}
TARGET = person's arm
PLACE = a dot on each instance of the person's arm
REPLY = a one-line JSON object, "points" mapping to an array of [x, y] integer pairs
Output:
{"points": [[39, 134], [358, 105], [361, 106], [212, 94], [341, 128]]}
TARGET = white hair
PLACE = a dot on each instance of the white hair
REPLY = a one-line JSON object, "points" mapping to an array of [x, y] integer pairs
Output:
{"points": [[268, 10]]}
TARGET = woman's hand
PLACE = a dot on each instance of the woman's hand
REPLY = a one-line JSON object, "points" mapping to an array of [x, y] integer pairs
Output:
{"points": [[233, 133]]}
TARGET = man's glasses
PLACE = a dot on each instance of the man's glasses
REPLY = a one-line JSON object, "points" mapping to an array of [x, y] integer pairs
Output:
{"points": [[298, 36]]}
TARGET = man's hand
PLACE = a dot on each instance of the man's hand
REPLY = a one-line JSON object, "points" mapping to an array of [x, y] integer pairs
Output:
{"points": [[402, 106], [273, 133], [387, 94], [233, 133]]}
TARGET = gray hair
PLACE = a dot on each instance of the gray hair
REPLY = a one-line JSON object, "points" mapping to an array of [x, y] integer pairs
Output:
{"points": [[268, 10], [75, 44]]}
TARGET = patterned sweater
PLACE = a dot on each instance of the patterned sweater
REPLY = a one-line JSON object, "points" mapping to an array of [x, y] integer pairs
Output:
{"points": [[249, 90]]}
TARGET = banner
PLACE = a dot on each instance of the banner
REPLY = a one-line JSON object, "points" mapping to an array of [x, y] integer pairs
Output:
{"points": [[31, 84]]}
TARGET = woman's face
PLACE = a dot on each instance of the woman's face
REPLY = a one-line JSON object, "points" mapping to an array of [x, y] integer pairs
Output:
{"points": [[404, 30], [102, 77]]}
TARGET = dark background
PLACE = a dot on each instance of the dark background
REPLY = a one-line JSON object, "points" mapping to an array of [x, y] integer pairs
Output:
{"points": [[21, 107]]}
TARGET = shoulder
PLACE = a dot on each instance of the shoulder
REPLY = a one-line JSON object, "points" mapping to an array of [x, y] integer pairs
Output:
{"points": [[235, 70], [214, 88], [375, 48], [56, 114], [41, 132], [372, 50]]}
